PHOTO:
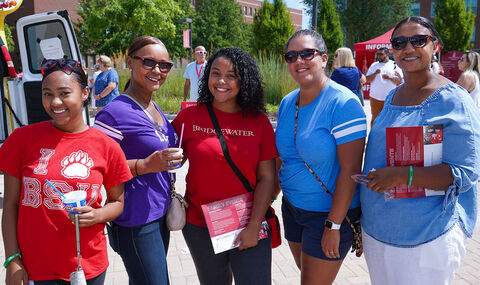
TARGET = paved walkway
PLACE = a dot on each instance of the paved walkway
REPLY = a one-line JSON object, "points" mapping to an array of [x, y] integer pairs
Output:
{"points": [[284, 271]]}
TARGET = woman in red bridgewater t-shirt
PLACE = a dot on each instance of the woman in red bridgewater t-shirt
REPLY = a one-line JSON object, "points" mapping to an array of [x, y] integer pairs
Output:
{"points": [[232, 86], [38, 233]]}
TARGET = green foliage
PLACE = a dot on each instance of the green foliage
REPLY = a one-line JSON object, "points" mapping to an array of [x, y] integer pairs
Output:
{"points": [[109, 26], [454, 23], [9, 36], [366, 19], [277, 83], [329, 25], [271, 28], [217, 24]]}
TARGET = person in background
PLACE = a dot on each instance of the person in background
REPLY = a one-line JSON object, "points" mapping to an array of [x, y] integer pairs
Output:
{"points": [[232, 86], [139, 235], [193, 73], [421, 240], [95, 71], [38, 233], [320, 114], [436, 66], [469, 64], [346, 73], [383, 75], [106, 83]]}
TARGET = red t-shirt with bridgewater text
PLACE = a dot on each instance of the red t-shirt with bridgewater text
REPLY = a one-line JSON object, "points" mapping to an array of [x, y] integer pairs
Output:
{"points": [[250, 139], [80, 161]]}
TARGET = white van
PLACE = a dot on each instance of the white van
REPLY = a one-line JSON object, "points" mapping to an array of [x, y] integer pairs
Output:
{"points": [[47, 35]]}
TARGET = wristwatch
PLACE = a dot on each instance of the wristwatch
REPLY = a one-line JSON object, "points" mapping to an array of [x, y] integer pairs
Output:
{"points": [[331, 225]]}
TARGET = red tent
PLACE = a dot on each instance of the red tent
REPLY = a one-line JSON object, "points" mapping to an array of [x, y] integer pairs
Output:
{"points": [[365, 53]]}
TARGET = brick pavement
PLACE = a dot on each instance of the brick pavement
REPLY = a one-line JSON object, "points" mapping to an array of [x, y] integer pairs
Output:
{"points": [[284, 271]]}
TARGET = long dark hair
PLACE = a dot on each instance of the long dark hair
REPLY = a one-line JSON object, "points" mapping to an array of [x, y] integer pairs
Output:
{"points": [[250, 97]]}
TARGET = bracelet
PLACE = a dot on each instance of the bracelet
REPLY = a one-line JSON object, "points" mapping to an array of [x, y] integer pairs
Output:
{"points": [[136, 170], [410, 176], [11, 258]]}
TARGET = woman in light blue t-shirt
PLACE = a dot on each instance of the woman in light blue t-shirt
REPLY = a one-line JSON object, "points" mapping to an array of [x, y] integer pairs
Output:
{"points": [[321, 133], [412, 235]]}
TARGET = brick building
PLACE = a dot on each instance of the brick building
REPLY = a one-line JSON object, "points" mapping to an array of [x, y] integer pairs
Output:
{"points": [[250, 8]]}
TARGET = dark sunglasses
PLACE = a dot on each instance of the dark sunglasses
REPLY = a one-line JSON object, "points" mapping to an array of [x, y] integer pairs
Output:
{"points": [[417, 41], [66, 65], [306, 54], [149, 64]]}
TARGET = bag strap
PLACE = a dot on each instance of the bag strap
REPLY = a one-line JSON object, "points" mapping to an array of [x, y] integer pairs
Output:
{"points": [[226, 153], [310, 169], [227, 156]]}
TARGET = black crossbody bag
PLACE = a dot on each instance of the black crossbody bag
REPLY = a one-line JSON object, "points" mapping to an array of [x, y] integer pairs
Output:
{"points": [[357, 245], [270, 216]]}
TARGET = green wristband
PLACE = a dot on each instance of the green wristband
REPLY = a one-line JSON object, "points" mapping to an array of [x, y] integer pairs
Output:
{"points": [[11, 258], [410, 176]]}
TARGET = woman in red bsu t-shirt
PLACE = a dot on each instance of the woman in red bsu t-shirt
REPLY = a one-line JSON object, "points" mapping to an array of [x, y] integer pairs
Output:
{"points": [[38, 234], [232, 86]]}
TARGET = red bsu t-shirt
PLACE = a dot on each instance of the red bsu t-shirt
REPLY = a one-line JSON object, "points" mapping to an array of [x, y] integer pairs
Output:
{"points": [[81, 161], [250, 139]]}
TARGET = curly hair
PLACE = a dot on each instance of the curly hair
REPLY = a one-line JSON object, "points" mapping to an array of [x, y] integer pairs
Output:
{"points": [[250, 96]]}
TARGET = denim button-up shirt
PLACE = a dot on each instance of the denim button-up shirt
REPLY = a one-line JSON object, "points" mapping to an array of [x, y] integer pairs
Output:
{"points": [[414, 221]]}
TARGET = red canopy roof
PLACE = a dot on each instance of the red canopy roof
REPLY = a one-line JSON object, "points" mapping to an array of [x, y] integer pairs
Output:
{"points": [[375, 43]]}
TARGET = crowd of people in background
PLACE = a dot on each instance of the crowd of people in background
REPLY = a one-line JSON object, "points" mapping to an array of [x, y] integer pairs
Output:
{"points": [[317, 148]]}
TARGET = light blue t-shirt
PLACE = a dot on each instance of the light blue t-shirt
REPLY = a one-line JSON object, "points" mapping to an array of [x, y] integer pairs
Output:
{"points": [[413, 221], [101, 82], [194, 73], [334, 117]]}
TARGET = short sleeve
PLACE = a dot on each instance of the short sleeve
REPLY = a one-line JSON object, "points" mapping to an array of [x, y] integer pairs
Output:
{"points": [[106, 123], [372, 69], [185, 73], [349, 122], [334, 75], [112, 76], [268, 149], [117, 170], [11, 151]]}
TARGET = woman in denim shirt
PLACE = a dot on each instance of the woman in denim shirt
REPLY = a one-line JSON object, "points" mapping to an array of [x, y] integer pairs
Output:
{"points": [[421, 240]]}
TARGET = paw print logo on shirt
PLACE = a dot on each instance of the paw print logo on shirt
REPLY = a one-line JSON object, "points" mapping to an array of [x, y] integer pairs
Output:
{"points": [[77, 165]]}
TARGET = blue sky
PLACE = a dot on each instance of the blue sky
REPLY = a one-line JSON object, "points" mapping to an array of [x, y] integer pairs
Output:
{"points": [[298, 4]]}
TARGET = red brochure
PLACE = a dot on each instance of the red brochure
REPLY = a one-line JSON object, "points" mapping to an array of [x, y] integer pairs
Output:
{"points": [[227, 218], [417, 146]]}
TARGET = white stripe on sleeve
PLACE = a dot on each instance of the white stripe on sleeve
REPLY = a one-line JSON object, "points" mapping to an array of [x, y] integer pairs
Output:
{"points": [[108, 132], [347, 123], [349, 131]]}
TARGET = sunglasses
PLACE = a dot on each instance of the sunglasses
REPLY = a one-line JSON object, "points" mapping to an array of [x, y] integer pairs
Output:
{"points": [[417, 41], [200, 52], [68, 66], [306, 54], [150, 64]]}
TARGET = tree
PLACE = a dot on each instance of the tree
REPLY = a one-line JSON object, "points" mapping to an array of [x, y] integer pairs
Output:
{"points": [[329, 25], [109, 26], [363, 20], [271, 28], [454, 23], [217, 24]]}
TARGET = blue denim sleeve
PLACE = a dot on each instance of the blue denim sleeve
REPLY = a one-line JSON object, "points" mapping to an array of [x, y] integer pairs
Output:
{"points": [[461, 145]]}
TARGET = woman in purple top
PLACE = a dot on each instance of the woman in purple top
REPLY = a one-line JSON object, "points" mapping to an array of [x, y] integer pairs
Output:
{"points": [[140, 235], [346, 73]]}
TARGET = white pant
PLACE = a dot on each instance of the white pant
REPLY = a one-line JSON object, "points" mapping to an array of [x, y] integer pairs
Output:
{"points": [[433, 263]]}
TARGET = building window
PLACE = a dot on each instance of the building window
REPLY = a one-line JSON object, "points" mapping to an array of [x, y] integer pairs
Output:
{"points": [[250, 11], [245, 9]]}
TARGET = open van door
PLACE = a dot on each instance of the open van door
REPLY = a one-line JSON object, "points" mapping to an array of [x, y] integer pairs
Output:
{"points": [[41, 36]]}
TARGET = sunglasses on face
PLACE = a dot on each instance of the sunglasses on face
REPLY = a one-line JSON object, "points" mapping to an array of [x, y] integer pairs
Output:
{"points": [[150, 64], [200, 52], [66, 65], [417, 41], [306, 54]]}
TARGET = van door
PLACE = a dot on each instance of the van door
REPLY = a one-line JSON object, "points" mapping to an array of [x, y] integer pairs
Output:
{"points": [[42, 36]]}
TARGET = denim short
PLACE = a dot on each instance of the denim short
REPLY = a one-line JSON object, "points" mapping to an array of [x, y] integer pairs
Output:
{"points": [[306, 227]]}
